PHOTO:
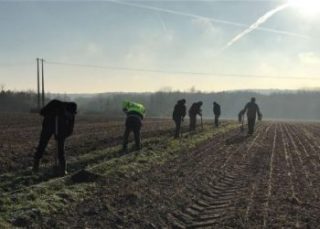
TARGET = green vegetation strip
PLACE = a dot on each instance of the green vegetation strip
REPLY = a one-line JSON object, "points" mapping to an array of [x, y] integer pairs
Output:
{"points": [[29, 204], [14, 181]]}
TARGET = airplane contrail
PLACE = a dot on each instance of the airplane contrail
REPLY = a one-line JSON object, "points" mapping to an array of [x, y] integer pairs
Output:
{"points": [[255, 25], [231, 23]]}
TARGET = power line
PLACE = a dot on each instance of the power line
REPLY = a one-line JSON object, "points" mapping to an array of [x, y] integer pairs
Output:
{"points": [[14, 64], [90, 1], [212, 74]]}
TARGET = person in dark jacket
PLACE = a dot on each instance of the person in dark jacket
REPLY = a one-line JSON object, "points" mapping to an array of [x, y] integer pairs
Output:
{"points": [[252, 109], [194, 110], [178, 115], [135, 113], [217, 113], [58, 120]]}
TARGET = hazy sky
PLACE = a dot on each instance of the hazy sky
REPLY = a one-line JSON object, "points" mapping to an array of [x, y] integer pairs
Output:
{"points": [[171, 36]]}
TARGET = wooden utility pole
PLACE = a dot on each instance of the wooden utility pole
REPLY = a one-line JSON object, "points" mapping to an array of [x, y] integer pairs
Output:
{"points": [[38, 83], [43, 92]]}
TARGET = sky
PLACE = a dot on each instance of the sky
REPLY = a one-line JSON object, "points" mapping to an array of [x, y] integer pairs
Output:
{"points": [[138, 46]]}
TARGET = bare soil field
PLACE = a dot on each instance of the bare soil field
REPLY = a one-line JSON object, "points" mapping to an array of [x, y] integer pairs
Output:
{"points": [[211, 178], [19, 136]]}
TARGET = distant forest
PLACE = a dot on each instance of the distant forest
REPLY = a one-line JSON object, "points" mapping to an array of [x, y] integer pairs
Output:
{"points": [[296, 105]]}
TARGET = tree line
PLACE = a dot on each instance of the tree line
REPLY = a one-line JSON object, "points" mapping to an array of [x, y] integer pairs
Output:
{"points": [[12, 101], [297, 105]]}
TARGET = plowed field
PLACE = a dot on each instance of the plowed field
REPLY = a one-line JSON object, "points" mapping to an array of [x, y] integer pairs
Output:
{"points": [[19, 136], [213, 178]]}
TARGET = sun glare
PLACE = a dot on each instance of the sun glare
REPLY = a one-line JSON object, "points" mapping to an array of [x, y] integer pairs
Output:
{"points": [[306, 7]]}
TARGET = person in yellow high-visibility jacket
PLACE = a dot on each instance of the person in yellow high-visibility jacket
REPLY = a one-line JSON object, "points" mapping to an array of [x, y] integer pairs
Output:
{"points": [[135, 113]]}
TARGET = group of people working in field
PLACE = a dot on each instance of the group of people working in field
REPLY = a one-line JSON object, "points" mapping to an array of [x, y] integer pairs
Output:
{"points": [[59, 119], [179, 113]]}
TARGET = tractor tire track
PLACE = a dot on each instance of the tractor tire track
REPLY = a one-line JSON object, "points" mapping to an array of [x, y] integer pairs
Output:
{"points": [[216, 203], [198, 160]]}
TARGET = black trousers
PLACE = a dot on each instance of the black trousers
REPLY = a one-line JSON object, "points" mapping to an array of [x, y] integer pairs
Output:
{"points": [[216, 120], [193, 122], [133, 124], [251, 124], [48, 129], [178, 127]]}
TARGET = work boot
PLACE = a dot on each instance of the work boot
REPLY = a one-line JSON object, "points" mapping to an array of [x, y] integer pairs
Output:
{"points": [[35, 167]]}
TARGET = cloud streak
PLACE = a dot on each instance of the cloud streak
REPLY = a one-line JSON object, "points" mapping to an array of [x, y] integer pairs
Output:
{"points": [[230, 23], [255, 25]]}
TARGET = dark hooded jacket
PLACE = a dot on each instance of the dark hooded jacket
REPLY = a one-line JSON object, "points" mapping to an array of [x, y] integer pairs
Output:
{"points": [[216, 109], [61, 115], [252, 110], [179, 111], [195, 109]]}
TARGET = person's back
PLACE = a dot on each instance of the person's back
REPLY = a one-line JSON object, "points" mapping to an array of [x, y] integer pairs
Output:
{"points": [[195, 109], [217, 113], [133, 109], [70, 111], [59, 118], [135, 113], [61, 115], [179, 110], [53, 108], [216, 109], [178, 115], [252, 109]]}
